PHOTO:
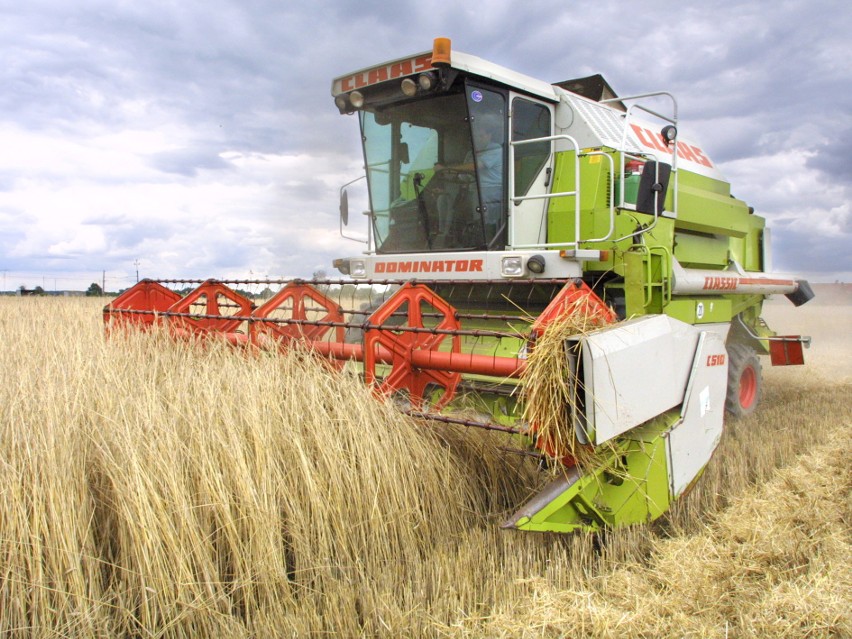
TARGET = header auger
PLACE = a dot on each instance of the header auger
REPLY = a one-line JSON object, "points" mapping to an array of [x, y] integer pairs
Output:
{"points": [[545, 260]]}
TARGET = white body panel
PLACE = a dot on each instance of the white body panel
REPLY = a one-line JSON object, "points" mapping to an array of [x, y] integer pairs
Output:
{"points": [[485, 69], [635, 371], [528, 219], [469, 265], [591, 123], [691, 442]]}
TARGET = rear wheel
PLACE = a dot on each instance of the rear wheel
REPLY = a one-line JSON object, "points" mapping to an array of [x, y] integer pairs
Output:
{"points": [[745, 380]]}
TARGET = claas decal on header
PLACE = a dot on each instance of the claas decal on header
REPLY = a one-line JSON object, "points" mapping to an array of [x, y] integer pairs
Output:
{"points": [[549, 261]]}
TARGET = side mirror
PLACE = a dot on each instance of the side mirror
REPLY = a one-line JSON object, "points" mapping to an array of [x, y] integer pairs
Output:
{"points": [[403, 153], [653, 187], [359, 194], [344, 207]]}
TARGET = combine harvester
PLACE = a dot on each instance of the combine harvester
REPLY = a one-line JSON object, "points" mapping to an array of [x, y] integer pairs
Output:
{"points": [[501, 205]]}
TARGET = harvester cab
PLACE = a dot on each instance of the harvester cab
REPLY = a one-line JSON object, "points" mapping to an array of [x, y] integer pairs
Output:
{"points": [[550, 261]]}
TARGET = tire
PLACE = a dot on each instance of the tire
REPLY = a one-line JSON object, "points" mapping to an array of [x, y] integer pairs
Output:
{"points": [[745, 380]]}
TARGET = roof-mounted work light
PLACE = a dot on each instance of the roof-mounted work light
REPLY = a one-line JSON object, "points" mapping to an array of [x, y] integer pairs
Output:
{"points": [[427, 81], [409, 87], [356, 98]]}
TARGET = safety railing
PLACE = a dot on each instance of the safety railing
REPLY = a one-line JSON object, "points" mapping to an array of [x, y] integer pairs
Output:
{"points": [[645, 156], [516, 199]]}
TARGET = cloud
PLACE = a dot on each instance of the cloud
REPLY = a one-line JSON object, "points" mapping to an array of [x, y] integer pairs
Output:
{"points": [[201, 139], [809, 214], [188, 162]]}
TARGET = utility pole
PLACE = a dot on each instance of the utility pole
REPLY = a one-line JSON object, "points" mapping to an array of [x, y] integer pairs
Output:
{"points": [[136, 264], [103, 284]]}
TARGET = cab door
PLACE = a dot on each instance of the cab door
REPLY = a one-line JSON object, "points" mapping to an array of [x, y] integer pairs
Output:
{"points": [[530, 168]]}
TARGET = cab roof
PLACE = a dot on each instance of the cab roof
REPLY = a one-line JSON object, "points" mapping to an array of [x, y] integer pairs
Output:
{"points": [[418, 63]]}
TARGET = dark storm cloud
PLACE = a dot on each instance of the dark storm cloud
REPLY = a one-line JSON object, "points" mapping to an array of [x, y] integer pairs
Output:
{"points": [[211, 66]]}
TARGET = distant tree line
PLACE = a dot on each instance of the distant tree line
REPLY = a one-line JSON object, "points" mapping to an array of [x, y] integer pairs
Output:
{"points": [[24, 291]]}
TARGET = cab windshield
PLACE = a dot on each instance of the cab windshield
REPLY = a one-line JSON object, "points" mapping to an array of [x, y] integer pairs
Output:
{"points": [[436, 172]]}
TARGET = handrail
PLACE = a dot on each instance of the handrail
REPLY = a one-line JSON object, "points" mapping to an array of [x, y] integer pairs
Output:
{"points": [[645, 229], [611, 199], [672, 120], [546, 196], [652, 94], [665, 275]]}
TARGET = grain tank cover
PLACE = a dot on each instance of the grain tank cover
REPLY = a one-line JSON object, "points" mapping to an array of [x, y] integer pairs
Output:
{"points": [[593, 87]]}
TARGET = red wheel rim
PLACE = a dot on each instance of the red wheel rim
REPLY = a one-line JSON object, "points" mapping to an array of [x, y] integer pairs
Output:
{"points": [[748, 387]]}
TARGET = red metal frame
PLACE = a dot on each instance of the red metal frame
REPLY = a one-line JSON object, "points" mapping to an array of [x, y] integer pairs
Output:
{"points": [[296, 295], [405, 375], [213, 320], [575, 297], [146, 295]]}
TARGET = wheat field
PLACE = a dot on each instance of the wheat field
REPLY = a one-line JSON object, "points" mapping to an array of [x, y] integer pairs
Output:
{"points": [[160, 489]]}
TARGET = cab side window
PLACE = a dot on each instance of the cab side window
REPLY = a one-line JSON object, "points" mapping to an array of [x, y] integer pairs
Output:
{"points": [[530, 120]]}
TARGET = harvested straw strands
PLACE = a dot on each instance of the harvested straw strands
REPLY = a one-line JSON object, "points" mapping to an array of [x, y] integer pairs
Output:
{"points": [[551, 389]]}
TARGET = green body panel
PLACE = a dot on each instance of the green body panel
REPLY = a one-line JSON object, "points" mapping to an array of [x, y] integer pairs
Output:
{"points": [[629, 485], [748, 309], [712, 228], [634, 282], [700, 250], [595, 187], [726, 229], [700, 310]]}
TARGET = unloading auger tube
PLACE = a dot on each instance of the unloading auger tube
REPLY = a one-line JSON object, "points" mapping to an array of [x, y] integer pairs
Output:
{"points": [[500, 208]]}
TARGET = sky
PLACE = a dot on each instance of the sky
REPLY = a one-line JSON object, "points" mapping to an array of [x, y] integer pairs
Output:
{"points": [[199, 139]]}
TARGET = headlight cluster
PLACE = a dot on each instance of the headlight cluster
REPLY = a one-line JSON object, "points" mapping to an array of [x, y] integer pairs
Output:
{"points": [[517, 266], [411, 86], [352, 267]]}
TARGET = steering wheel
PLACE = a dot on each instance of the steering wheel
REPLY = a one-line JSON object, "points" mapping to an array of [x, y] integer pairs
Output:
{"points": [[457, 176]]}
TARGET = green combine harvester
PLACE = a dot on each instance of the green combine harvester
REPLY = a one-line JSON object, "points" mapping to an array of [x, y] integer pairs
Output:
{"points": [[499, 207]]}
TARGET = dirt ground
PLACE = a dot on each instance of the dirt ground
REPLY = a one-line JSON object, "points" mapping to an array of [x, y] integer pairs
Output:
{"points": [[827, 319]]}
